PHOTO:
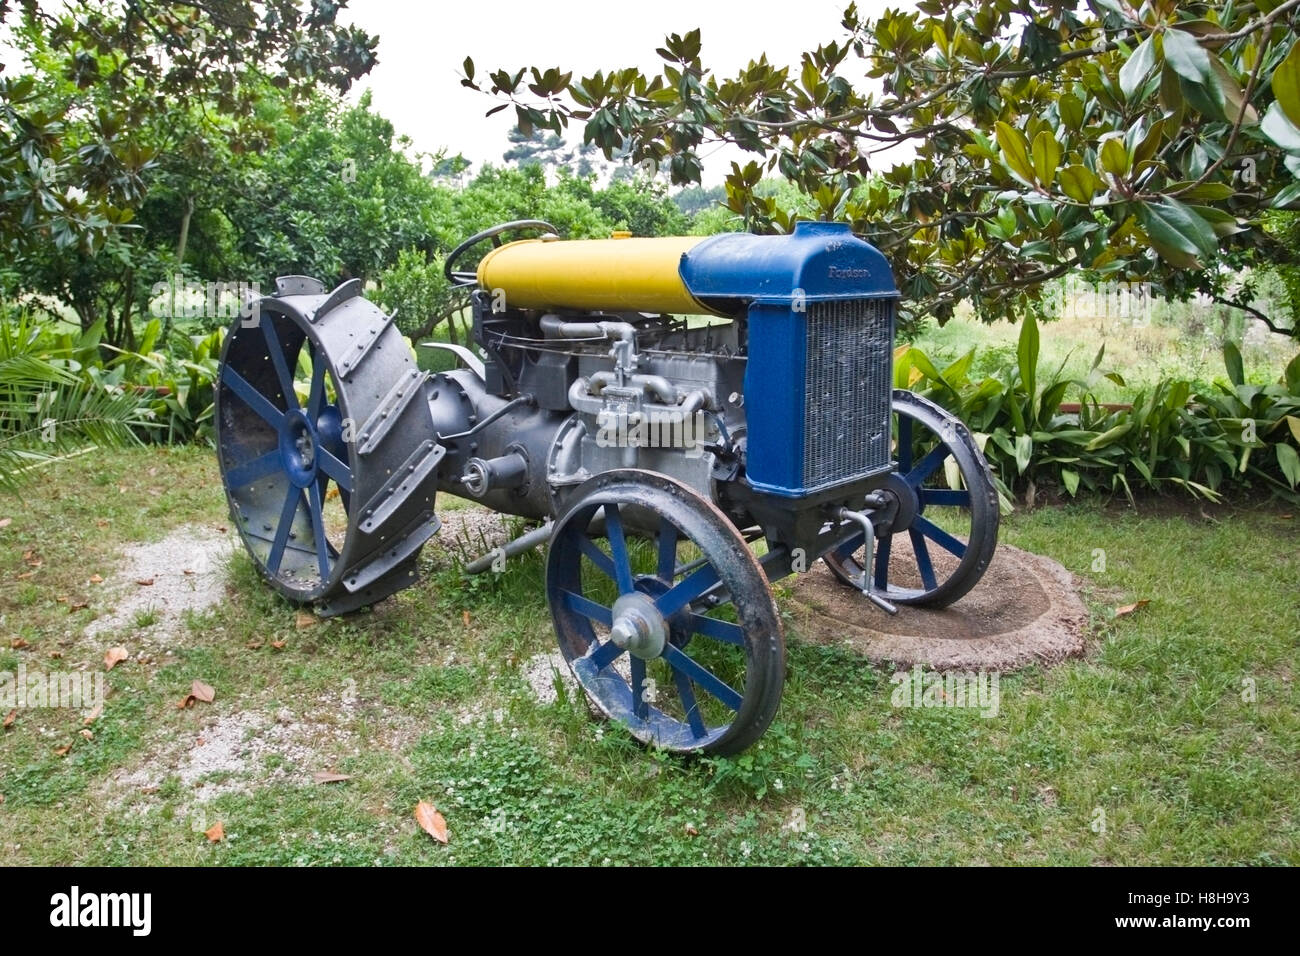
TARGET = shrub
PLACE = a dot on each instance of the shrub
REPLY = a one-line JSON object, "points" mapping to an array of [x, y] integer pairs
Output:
{"points": [[1174, 436]]}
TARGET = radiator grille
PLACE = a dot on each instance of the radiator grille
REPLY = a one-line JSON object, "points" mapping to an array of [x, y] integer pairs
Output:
{"points": [[848, 382]]}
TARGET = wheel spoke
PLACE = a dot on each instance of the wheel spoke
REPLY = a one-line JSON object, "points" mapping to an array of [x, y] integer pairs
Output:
{"points": [[723, 631], [254, 399], [618, 549], [928, 465], [316, 506], [316, 397], [251, 470], [277, 359], [882, 563], [640, 706], [588, 608], [667, 550], [701, 676], [939, 536], [287, 514], [904, 443], [598, 557], [686, 591], [687, 695], [946, 497], [923, 559], [605, 654], [333, 467]]}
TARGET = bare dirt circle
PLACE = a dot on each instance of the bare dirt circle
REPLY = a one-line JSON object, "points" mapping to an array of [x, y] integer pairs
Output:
{"points": [[1025, 610]]}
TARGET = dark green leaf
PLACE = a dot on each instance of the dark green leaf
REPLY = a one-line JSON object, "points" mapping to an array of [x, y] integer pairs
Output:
{"points": [[1137, 67], [1281, 130], [1178, 233], [1289, 461], [1186, 56], [1232, 361]]}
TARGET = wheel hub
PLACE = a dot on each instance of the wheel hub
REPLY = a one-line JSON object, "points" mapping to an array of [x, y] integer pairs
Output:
{"points": [[298, 441], [903, 504], [638, 626]]}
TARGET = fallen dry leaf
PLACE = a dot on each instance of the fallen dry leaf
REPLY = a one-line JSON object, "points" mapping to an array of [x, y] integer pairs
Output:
{"points": [[185, 702], [305, 619], [323, 776], [62, 751], [222, 528], [278, 645], [10, 718], [203, 692], [464, 616], [101, 522], [145, 582], [1128, 609], [26, 575], [691, 830], [6, 522], [187, 571], [431, 821], [114, 657], [215, 833], [31, 560], [77, 606], [87, 734], [96, 579], [253, 645], [55, 655], [93, 716], [17, 643]]}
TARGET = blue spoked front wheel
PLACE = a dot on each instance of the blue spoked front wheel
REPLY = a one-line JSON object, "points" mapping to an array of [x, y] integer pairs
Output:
{"points": [[326, 446], [664, 615], [937, 534]]}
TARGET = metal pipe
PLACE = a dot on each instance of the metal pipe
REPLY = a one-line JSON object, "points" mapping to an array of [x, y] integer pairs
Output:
{"points": [[662, 389], [525, 542], [507, 407], [870, 532], [555, 327]]}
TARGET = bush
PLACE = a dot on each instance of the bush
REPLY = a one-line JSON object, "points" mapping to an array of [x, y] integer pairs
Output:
{"points": [[60, 396], [1176, 435]]}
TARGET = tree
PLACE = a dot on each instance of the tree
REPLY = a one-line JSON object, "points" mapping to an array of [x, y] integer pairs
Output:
{"points": [[535, 148], [115, 100], [1140, 142]]}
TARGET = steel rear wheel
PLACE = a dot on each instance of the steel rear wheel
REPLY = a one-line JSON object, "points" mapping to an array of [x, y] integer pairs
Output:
{"points": [[940, 531], [666, 618], [327, 449]]}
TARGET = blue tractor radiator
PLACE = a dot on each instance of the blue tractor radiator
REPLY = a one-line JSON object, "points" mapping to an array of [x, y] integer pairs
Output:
{"points": [[821, 307]]}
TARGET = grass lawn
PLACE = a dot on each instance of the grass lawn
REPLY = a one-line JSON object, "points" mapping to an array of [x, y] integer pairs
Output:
{"points": [[1156, 733]]}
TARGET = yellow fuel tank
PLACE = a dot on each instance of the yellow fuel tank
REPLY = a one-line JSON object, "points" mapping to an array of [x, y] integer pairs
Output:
{"points": [[610, 275]]}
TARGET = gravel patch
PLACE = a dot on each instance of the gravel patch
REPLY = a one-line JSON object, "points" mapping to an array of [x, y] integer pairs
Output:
{"points": [[539, 672], [237, 752], [188, 573]]}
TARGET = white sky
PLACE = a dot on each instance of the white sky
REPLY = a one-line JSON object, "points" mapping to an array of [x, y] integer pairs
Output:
{"points": [[422, 45]]}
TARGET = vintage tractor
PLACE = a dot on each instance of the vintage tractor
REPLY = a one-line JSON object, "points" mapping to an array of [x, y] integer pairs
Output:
{"points": [[685, 419]]}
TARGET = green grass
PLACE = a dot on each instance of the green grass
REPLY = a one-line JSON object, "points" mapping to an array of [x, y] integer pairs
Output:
{"points": [[423, 699]]}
